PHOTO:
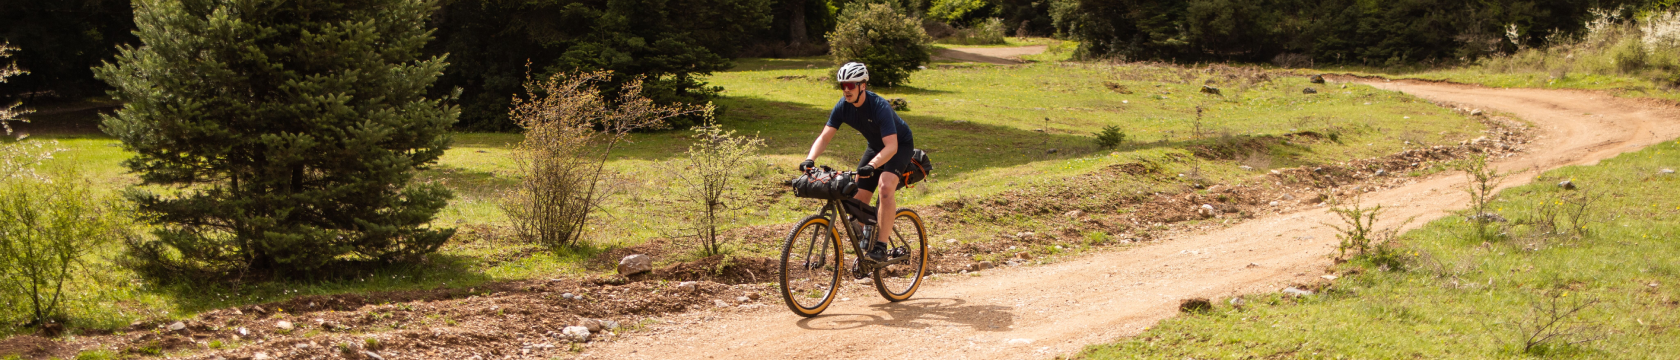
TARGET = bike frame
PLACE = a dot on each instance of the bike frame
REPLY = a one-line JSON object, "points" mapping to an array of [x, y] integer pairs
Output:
{"points": [[835, 212]]}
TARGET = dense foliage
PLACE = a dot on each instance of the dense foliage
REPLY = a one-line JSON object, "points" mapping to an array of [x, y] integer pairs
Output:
{"points": [[281, 135], [1382, 33], [892, 45], [61, 40], [494, 44]]}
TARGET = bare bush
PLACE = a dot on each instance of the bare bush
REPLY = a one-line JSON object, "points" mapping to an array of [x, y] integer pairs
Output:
{"points": [[47, 225], [1360, 235], [9, 113], [570, 129], [1552, 319], [1483, 186], [1563, 214], [709, 181]]}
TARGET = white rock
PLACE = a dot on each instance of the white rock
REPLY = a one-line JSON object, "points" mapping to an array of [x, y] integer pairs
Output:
{"points": [[259, 356], [568, 296], [1273, 203], [688, 286], [244, 332], [1329, 277], [1020, 341], [1297, 292], [720, 303], [593, 325], [576, 333], [283, 325], [372, 355], [635, 264], [1666, 171], [177, 326], [1238, 302], [609, 324], [1074, 214], [742, 299], [1246, 168]]}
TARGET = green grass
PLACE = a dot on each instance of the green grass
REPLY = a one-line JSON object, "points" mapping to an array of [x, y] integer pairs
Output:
{"points": [[1635, 86], [1460, 298], [989, 129]]}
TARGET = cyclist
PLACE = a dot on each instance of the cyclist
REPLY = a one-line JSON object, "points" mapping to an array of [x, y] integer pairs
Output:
{"points": [[885, 159]]}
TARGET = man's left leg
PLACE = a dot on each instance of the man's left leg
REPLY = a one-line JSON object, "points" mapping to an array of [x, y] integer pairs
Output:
{"points": [[888, 208]]}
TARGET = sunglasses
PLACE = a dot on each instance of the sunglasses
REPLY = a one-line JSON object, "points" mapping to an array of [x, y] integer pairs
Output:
{"points": [[849, 86]]}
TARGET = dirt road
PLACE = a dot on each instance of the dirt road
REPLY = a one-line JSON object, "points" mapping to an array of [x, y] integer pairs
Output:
{"points": [[1040, 312], [990, 55]]}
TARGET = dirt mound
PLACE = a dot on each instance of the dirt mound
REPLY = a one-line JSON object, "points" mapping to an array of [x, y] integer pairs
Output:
{"points": [[718, 268]]}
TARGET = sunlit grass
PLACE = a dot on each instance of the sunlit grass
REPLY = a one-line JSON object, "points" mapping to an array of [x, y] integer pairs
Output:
{"points": [[1462, 298]]}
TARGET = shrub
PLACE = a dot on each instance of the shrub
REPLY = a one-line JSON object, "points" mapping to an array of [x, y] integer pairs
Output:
{"points": [[282, 139], [709, 182], [1110, 137], [1629, 56], [962, 12], [989, 32], [570, 129], [891, 44], [47, 224]]}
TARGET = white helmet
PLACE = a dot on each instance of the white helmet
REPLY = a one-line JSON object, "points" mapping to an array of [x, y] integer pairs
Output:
{"points": [[852, 72]]}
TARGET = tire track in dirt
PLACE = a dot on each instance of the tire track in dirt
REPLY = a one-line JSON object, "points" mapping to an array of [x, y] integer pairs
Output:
{"points": [[1057, 309]]}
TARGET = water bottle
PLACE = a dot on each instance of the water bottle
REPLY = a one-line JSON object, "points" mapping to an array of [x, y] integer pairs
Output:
{"points": [[868, 236]]}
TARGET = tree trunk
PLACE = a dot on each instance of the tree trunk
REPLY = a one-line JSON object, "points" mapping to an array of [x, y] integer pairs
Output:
{"points": [[796, 23]]}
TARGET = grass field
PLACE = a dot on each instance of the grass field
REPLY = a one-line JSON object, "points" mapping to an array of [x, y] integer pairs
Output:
{"points": [[988, 128], [1607, 291]]}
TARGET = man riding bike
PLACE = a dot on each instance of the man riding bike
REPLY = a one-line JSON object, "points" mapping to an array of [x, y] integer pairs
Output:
{"points": [[884, 161]]}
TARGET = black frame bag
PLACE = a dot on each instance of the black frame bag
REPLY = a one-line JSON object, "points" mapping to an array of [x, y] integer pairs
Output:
{"points": [[825, 183], [918, 169]]}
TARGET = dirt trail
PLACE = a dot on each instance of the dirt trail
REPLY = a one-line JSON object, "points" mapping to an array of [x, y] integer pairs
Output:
{"points": [[990, 55], [1043, 311]]}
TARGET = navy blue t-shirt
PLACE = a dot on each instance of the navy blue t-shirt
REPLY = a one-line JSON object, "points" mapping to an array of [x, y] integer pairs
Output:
{"points": [[875, 120]]}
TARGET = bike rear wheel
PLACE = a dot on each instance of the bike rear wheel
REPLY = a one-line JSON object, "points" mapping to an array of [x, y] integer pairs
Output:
{"points": [[898, 281], [810, 266]]}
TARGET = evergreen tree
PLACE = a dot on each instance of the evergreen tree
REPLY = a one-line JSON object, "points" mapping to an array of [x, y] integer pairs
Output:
{"points": [[281, 135]]}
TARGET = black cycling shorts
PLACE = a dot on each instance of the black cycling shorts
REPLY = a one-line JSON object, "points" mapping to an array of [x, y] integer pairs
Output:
{"points": [[896, 165]]}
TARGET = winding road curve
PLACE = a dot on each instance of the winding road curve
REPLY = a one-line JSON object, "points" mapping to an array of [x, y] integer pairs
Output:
{"points": [[1044, 311]]}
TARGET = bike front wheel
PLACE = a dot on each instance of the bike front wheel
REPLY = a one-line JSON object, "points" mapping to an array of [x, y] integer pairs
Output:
{"points": [[909, 257], [810, 266]]}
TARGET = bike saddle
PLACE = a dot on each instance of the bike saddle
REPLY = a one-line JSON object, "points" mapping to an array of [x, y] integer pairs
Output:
{"points": [[859, 210]]}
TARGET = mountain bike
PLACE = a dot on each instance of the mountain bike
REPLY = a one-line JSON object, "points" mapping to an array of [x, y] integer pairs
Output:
{"points": [[812, 257]]}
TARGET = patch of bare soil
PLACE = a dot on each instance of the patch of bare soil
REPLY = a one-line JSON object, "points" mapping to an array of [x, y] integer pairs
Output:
{"points": [[34, 347]]}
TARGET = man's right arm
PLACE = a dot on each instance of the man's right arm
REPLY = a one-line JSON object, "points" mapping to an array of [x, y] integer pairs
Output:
{"points": [[821, 143]]}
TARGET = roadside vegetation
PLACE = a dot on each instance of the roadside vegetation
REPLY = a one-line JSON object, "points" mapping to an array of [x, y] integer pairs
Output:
{"points": [[1584, 271], [1634, 55]]}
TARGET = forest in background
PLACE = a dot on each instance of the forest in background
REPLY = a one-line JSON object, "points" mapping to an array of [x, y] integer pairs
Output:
{"points": [[492, 45]]}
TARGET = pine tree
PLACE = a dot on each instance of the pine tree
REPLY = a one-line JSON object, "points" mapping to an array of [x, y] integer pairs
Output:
{"points": [[281, 135]]}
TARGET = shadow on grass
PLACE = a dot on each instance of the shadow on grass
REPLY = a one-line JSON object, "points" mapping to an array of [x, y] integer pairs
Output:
{"points": [[347, 285], [956, 146], [467, 182]]}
